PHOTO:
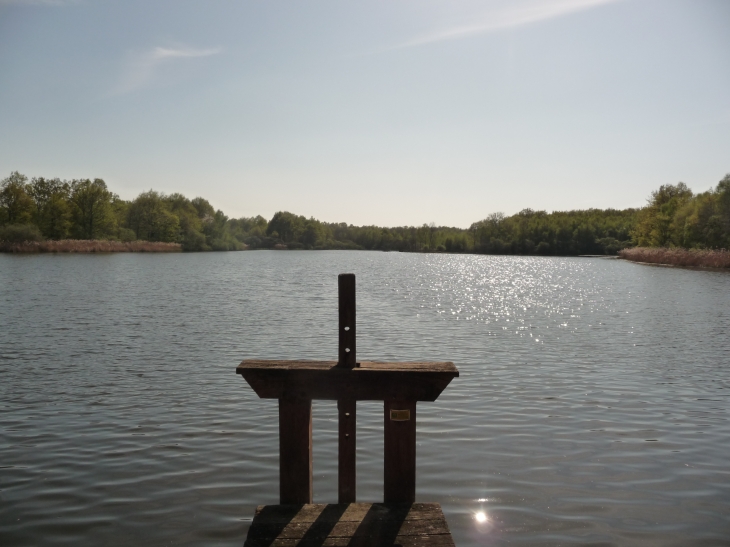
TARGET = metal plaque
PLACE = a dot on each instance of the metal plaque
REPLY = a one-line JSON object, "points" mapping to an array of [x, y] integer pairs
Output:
{"points": [[400, 415]]}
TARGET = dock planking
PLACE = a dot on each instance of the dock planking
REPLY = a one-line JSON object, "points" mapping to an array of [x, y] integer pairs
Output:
{"points": [[350, 524]]}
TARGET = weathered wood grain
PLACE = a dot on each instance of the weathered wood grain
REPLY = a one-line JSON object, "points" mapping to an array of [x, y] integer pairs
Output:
{"points": [[268, 514], [295, 450], [355, 524], [373, 381], [399, 458], [307, 364]]}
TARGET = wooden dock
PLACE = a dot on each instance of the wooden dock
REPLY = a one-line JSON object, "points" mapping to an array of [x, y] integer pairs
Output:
{"points": [[397, 521], [349, 524]]}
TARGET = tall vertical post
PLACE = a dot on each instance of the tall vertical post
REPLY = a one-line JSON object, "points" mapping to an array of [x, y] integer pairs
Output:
{"points": [[346, 408], [400, 452], [295, 451], [346, 297]]}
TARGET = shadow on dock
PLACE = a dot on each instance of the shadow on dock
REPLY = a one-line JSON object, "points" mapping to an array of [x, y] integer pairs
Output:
{"points": [[353, 525]]}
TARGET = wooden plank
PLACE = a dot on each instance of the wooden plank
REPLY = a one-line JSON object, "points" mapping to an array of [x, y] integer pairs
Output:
{"points": [[306, 364], [346, 467], [355, 524], [355, 512], [400, 451], [295, 451], [406, 541], [346, 308], [401, 541], [277, 514], [418, 381], [405, 528]]}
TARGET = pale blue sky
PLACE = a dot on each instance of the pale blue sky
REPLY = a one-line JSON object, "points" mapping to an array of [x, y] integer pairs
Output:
{"points": [[382, 112]]}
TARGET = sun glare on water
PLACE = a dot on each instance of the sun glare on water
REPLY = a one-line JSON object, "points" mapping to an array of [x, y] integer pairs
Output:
{"points": [[481, 516]]}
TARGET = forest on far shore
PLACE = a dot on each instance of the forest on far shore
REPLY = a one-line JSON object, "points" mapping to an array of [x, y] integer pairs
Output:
{"points": [[52, 209]]}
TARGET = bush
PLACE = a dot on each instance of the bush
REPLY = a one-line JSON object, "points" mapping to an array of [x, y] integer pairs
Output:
{"points": [[226, 244], [340, 245], [194, 241], [20, 233], [543, 248], [253, 242], [126, 235]]}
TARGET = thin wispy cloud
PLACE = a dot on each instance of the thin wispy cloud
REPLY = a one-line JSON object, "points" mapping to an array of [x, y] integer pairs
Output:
{"points": [[141, 69], [511, 17]]}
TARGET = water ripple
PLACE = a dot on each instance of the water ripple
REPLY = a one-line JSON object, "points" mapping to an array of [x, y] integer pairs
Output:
{"points": [[592, 406]]}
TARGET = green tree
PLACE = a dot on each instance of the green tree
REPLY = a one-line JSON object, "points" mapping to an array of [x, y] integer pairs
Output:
{"points": [[52, 209], [151, 220], [92, 213], [287, 225], [16, 206], [217, 235], [723, 207], [203, 207], [704, 220], [315, 234], [656, 227], [191, 224]]}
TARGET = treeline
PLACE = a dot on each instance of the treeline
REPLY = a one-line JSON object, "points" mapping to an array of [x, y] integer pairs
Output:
{"points": [[52, 209], [675, 217], [86, 209]]}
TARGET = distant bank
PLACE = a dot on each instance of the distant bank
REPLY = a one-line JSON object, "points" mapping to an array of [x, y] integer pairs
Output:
{"points": [[89, 246], [53, 215], [686, 258]]}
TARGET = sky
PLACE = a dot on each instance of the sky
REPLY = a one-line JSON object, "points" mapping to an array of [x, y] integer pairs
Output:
{"points": [[397, 112]]}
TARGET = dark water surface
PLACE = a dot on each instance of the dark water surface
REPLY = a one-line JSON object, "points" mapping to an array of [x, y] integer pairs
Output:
{"points": [[592, 406]]}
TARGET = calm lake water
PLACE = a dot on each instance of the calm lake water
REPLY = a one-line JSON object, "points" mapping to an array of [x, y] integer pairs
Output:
{"points": [[592, 408]]}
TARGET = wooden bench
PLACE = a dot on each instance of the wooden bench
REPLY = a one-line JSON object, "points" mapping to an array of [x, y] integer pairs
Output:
{"points": [[400, 386]]}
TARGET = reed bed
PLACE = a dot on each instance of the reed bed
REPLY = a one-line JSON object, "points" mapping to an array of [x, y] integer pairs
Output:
{"points": [[693, 258], [89, 246]]}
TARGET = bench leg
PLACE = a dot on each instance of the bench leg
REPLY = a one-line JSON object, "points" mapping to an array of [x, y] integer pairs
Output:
{"points": [[400, 452], [295, 451]]}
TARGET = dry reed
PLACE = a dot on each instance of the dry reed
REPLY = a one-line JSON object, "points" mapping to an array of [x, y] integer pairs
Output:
{"points": [[693, 258], [89, 246]]}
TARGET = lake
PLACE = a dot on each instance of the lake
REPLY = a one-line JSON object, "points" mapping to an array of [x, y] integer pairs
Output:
{"points": [[592, 407]]}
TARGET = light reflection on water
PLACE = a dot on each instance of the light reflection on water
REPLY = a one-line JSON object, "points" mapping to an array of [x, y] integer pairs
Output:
{"points": [[592, 405]]}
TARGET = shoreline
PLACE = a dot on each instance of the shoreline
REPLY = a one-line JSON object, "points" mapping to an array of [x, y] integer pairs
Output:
{"points": [[695, 259], [84, 246], [88, 246]]}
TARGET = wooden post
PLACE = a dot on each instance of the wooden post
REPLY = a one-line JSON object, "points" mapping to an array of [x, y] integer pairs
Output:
{"points": [[400, 452], [346, 293], [346, 475], [295, 451]]}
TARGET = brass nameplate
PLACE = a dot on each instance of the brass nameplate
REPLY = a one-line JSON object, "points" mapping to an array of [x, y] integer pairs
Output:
{"points": [[400, 415]]}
